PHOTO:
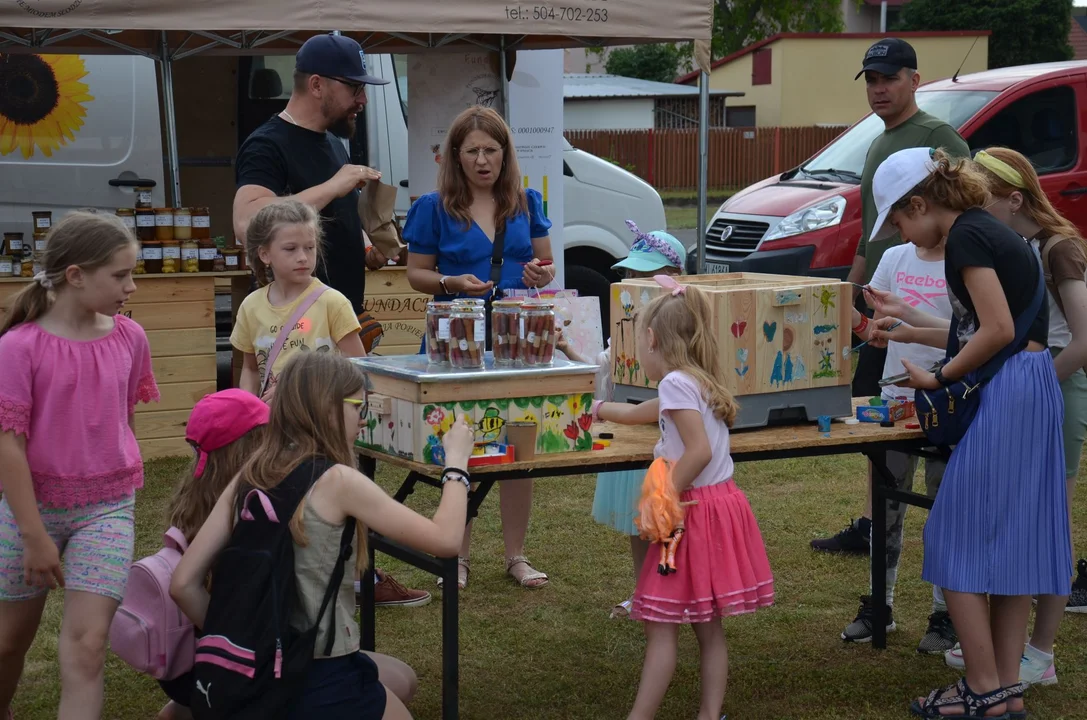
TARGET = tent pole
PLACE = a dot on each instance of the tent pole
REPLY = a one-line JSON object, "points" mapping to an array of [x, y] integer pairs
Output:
{"points": [[502, 70], [703, 164], [171, 124]]}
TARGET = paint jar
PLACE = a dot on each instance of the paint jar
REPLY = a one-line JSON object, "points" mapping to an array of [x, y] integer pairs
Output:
{"points": [[505, 331], [164, 224], [190, 256], [824, 423], [538, 334], [13, 244], [152, 257], [467, 333], [7, 266], [437, 331], [201, 223], [143, 197], [171, 256], [42, 221], [183, 224]]}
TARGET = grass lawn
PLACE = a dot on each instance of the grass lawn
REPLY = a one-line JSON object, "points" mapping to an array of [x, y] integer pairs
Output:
{"points": [[553, 653], [682, 218]]}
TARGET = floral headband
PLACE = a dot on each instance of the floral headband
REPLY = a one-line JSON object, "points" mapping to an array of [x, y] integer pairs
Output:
{"points": [[645, 242]]}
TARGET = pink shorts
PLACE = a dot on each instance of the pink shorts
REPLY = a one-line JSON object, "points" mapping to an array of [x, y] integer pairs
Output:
{"points": [[96, 543]]}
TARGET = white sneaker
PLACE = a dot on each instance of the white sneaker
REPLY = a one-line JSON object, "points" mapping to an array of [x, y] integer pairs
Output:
{"points": [[1036, 667]]}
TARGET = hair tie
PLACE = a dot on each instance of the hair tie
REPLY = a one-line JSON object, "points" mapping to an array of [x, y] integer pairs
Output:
{"points": [[1001, 169], [669, 283], [44, 281]]}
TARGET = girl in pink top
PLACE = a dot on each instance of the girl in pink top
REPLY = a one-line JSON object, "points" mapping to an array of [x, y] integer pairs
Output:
{"points": [[74, 369], [721, 565]]}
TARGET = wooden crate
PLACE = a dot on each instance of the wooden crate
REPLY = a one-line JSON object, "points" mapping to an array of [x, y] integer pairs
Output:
{"points": [[177, 312], [776, 333], [400, 310]]}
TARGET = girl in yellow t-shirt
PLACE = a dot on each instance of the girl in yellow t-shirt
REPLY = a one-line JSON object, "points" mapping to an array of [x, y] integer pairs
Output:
{"points": [[285, 239]]}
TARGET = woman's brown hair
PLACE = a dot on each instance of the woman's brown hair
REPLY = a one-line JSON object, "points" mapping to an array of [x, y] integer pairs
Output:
{"points": [[268, 221], [86, 240], [956, 184], [306, 422], [683, 328], [453, 188], [1036, 204], [194, 498]]}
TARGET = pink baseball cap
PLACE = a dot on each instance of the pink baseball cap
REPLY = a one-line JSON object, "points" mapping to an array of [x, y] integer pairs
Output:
{"points": [[221, 418]]}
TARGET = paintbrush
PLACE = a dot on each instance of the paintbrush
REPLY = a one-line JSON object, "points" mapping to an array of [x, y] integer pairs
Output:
{"points": [[846, 352]]}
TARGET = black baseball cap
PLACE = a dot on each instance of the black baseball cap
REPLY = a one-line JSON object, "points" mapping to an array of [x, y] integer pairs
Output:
{"points": [[888, 56], [335, 56]]}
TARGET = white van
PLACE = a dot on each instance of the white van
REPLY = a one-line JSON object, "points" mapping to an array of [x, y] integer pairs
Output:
{"points": [[120, 144]]}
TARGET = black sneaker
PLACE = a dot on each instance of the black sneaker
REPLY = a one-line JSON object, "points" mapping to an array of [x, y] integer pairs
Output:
{"points": [[860, 630], [940, 637], [1077, 601], [853, 540]]}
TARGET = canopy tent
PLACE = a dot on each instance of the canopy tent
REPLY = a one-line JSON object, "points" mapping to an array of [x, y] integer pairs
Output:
{"points": [[168, 30]]}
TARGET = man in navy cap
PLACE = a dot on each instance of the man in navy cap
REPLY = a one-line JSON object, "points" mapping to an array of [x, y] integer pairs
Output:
{"points": [[299, 153]]}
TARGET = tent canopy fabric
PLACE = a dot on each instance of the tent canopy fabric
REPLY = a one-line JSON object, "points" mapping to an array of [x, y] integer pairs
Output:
{"points": [[281, 26]]}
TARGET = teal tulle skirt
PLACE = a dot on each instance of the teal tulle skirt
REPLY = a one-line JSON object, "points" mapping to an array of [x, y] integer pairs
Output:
{"points": [[616, 499]]}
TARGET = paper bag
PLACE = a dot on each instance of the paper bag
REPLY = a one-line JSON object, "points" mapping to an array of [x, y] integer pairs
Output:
{"points": [[377, 203]]}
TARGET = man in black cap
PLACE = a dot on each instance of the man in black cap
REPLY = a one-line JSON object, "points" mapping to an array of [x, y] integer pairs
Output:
{"points": [[890, 76], [300, 153]]}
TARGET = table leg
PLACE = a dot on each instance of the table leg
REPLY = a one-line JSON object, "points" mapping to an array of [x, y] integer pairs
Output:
{"points": [[450, 639], [881, 480]]}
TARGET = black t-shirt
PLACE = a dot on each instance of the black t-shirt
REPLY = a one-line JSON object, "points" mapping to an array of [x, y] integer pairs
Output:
{"points": [[977, 239], [289, 159]]}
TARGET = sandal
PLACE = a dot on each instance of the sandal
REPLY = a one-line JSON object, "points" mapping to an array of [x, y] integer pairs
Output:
{"points": [[974, 705], [462, 578], [530, 580], [1017, 691], [622, 610]]}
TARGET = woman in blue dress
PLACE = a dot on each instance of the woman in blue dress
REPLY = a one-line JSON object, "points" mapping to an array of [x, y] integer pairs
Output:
{"points": [[451, 238]]}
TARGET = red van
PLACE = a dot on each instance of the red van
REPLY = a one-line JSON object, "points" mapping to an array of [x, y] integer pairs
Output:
{"points": [[807, 221]]}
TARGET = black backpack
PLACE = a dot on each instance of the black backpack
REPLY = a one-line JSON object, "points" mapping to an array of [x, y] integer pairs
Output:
{"points": [[250, 663]]}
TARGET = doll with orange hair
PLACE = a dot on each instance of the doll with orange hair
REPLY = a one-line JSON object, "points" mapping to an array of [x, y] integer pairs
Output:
{"points": [[711, 561]]}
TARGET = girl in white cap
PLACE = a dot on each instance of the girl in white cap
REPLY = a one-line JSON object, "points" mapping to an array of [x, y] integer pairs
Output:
{"points": [[998, 531]]}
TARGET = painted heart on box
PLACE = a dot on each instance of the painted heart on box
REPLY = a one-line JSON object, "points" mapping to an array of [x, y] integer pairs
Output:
{"points": [[738, 328], [769, 329]]}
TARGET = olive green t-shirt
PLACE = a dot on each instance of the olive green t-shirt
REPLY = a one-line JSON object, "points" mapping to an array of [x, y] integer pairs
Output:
{"points": [[921, 130]]}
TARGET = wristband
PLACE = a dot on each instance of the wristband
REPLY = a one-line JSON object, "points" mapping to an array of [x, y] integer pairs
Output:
{"points": [[861, 326], [441, 284], [595, 411], [452, 472], [941, 379]]}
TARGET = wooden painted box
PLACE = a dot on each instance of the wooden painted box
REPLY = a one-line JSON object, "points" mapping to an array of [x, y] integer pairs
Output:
{"points": [[413, 404], [781, 341]]}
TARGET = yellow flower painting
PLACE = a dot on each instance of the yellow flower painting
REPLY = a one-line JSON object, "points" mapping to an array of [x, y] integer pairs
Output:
{"points": [[41, 102]]}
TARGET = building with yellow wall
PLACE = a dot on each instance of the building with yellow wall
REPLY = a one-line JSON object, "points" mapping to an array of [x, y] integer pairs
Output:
{"points": [[800, 79]]}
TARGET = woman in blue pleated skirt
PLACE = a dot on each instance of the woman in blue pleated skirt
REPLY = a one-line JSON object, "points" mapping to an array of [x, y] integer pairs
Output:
{"points": [[998, 532]]}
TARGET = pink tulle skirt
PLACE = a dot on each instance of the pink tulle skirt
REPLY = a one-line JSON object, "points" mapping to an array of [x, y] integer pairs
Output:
{"points": [[721, 565]]}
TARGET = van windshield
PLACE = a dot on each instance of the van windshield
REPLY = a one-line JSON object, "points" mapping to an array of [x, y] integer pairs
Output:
{"points": [[843, 160]]}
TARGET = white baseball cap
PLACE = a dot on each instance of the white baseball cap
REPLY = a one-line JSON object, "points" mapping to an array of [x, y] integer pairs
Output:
{"points": [[894, 178]]}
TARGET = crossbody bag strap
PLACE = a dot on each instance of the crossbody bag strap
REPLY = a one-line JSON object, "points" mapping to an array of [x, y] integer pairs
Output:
{"points": [[1022, 326], [497, 260], [281, 338], [334, 582]]}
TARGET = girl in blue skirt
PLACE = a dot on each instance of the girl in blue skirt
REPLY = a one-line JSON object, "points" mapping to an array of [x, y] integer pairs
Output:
{"points": [[654, 253], [998, 532]]}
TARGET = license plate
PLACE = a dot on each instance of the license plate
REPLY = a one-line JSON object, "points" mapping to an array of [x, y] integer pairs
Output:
{"points": [[716, 268]]}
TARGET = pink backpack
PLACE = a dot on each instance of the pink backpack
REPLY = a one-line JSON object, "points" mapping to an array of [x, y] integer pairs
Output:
{"points": [[149, 631]]}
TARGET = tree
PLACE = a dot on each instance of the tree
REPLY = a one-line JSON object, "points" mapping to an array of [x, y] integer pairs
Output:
{"points": [[1024, 31], [649, 62]]}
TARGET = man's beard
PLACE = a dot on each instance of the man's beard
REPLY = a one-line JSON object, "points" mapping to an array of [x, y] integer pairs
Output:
{"points": [[344, 127]]}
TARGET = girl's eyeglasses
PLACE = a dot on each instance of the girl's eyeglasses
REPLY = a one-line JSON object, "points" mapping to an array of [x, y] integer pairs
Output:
{"points": [[362, 405]]}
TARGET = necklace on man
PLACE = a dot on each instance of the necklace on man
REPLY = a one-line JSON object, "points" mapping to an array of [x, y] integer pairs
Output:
{"points": [[287, 116]]}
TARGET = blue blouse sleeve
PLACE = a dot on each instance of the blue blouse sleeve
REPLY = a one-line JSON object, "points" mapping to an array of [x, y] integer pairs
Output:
{"points": [[539, 225], [422, 228]]}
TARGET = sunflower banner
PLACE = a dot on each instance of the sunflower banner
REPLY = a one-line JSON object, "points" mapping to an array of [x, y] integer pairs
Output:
{"points": [[41, 102]]}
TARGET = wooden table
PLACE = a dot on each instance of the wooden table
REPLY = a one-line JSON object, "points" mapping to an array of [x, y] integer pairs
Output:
{"points": [[631, 449], [177, 311]]}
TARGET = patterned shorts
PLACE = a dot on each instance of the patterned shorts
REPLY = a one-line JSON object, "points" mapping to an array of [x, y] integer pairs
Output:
{"points": [[96, 543]]}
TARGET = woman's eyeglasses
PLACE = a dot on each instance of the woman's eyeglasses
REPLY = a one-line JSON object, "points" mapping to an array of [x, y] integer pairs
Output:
{"points": [[489, 152]]}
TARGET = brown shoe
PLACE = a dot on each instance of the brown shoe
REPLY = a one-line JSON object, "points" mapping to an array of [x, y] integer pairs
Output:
{"points": [[390, 593]]}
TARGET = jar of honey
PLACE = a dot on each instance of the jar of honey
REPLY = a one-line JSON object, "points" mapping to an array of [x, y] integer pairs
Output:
{"points": [[143, 198], [190, 256], [13, 244], [208, 253], [171, 256], [182, 224], [39, 241], [201, 223], [42, 221], [7, 266], [128, 217], [140, 269], [164, 224], [219, 264], [152, 256], [232, 259], [145, 224]]}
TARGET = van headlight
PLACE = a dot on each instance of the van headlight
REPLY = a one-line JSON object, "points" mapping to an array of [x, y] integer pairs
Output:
{"points": [[824, 214]]}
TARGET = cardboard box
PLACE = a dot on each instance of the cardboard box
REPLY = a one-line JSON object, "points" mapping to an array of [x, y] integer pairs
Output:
{"points": [[889, 411]]}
